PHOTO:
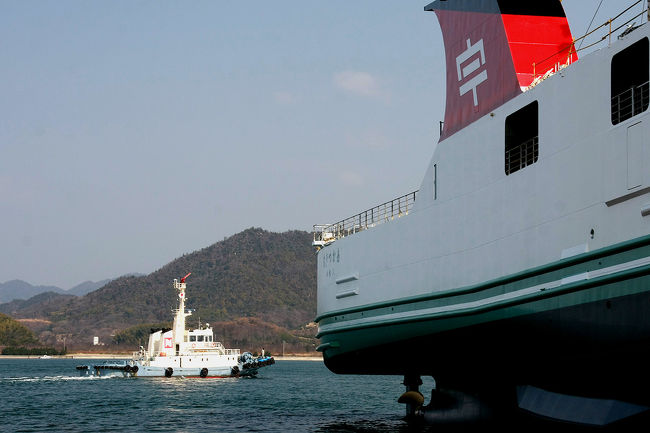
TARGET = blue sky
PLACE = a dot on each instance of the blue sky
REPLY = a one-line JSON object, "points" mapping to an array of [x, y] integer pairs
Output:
{"points": [[132, 132]]}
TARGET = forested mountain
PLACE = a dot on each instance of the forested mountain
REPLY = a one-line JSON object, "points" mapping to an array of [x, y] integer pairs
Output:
{"points": [[12, 333], [267, 277], [36, 306]]}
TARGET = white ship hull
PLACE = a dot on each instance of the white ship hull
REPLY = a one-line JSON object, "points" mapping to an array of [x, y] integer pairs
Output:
{"points": [[498, 276]]}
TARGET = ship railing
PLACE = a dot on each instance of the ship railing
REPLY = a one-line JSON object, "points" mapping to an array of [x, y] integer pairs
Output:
{"points": [[327, 233], [542, 69], [522, 155], [140, 354], [630, 102], [231, 351]]}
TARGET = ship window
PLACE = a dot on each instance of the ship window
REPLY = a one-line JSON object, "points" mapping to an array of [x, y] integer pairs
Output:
{"points": [[192, 337], [522, 138], [630, 81], [200, 338]]}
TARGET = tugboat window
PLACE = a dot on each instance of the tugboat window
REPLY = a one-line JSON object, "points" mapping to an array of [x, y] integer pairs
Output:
{"points": [[192, 337], [630, 81], [522, 138], [200, 338]]}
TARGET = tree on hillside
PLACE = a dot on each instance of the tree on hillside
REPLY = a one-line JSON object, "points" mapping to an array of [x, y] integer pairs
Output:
{"points": [[13, 333]]}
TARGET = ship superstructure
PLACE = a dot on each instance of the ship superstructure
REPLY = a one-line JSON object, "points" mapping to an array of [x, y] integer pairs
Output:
{"points": [[522, 263]]}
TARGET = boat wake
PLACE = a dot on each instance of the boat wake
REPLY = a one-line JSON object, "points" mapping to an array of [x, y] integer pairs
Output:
{"points": [[51, 378]]}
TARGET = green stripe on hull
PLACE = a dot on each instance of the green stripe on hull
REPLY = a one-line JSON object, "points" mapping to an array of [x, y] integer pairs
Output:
{"points": [[529, 292], [388, 331], [590, 261]]}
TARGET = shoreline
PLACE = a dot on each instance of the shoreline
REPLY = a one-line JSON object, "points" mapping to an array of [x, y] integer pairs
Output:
{"points": [[127, 356]]}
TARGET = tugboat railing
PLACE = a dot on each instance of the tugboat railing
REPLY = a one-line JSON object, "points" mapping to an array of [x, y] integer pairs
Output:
{"points": [[385, 212]]}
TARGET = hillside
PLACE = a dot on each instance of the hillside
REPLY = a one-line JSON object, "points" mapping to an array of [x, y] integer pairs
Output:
{"points": [[12, 333], [36, 306], [256, 274]]}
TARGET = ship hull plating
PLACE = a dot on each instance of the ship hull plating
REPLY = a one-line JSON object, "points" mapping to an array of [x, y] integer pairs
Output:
{"points": [[598, 349], [588, 336]]}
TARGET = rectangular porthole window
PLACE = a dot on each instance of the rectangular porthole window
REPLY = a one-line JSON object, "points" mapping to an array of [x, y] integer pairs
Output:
{"points": [[522, 138], [630, 81]]}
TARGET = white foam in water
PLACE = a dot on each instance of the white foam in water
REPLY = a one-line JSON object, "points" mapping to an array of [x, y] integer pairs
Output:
{"points": [[51, 378]]}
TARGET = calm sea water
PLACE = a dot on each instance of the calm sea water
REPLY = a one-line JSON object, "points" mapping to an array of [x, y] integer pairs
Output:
{"points": [[303, 396], [290, 396]]}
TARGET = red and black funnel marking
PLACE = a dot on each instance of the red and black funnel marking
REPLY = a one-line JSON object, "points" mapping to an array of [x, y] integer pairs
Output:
{"points": [[494, 48]]}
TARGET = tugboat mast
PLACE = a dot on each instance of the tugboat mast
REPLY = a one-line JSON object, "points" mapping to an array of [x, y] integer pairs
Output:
{"points": [[179, 320]]}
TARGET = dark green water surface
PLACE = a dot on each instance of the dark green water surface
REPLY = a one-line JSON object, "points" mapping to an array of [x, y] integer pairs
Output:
{"points": [[47, 395], [40, 395]]}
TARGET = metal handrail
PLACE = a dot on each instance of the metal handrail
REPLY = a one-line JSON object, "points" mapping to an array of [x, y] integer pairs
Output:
{"points": [[572, 49], [522, 155], [630, 102], [396, 208]]}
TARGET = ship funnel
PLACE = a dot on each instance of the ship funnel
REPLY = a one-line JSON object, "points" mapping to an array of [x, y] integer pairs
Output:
{"points": [[496, 48]]}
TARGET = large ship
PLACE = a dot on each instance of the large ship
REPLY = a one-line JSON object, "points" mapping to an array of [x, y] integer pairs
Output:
{"points": [[519, 271]]}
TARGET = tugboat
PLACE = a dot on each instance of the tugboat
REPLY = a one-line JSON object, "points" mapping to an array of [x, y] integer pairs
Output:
{"points": [[179, 352]]}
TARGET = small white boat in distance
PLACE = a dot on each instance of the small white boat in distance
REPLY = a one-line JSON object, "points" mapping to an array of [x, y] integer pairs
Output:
{"points": [[181, 352]]}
